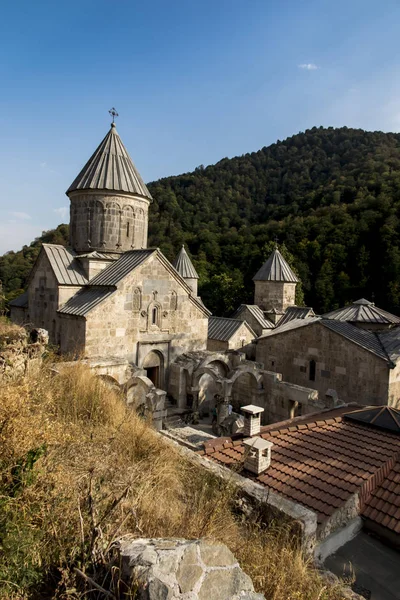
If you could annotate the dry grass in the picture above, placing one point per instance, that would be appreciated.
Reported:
(10, 332)
(77, 468)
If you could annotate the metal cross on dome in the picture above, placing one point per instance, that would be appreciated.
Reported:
(113, 113)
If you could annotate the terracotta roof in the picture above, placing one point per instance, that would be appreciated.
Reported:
(362, 311)
(110, 168)
(223, 328)
(184, 266)
(319, 464)
(383, 507)
(276, 269)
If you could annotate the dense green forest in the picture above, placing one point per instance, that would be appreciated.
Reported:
(331, 197)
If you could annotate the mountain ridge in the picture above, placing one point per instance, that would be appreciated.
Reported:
(331, 196)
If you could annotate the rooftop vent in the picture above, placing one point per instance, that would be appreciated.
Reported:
(257, 454)
(252, 420)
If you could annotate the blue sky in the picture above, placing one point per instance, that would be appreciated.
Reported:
(193, 81)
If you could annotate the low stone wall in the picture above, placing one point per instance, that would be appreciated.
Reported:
(180, 569)
(21, 352)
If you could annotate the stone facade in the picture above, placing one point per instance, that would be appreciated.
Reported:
(150, 312)
(107, 221)
(274, 294)
(319, 358)
(181, 569)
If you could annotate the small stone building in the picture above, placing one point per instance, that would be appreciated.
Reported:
(335, 358)
(228, 334)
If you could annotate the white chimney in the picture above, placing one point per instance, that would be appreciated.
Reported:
(252, 419)
(257, 454)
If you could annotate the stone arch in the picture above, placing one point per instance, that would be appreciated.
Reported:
(217, 359)
(128, 227)
(136, 391)
(206, 383)
(154, 316)
(153, 364)
(112, 222)
(96, 232)
(243, 387)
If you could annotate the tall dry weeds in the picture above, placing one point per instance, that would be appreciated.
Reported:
(78, 468)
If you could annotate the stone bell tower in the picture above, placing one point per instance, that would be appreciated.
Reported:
(275, 285)
(109, 201)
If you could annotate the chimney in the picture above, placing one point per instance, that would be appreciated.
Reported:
(257, 454)
(252, 424)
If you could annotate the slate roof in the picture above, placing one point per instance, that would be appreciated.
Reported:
(85, 300)
(383, 417)
(184, 266)
(390, 340)
(362, 311)
(276, 269)
(95, 255)
(117, 270)
(65, 265)
(296, 312)
(110, 168)
(320, 463)
(222, 328)
(366, 339)
(257, 314)
(20, 301)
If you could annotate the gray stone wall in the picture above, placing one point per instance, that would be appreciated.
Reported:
(245, 315)
(108, 222)
(274, 294)
(182, 569)
(356, 374)
(394, 387)
(240, 338)
(43, 298)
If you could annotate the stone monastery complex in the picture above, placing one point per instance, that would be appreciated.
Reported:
(320, 395)
(139, 321)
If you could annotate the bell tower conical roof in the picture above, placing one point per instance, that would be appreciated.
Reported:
(184, 266)
(110, 168)
(276, 269)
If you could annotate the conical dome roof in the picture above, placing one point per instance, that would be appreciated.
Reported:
(276, 269)
(110, 168)
(184, 266)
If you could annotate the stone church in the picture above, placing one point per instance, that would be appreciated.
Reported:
(107, 294)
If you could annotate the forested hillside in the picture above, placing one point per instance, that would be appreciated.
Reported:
(331, 196)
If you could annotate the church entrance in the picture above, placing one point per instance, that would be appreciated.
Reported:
(154, 366)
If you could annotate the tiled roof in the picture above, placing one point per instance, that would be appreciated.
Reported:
(295, 312)
(85, 300)
(319, 464)
(184, 266)
(117, 270)
(276, 269)
(257, 313)
(222, 328)
(366, 339)
(362, 311)
(20, 301)
(110, 168)
(383, 507)
(65, 266)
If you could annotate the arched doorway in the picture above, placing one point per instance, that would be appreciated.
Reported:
(154, 366)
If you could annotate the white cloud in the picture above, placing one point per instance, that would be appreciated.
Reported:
(20, 215)
(308, 66)
(62, 212)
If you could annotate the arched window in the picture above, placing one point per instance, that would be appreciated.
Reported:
(154, 316)
(311, 372)
(127, 229)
